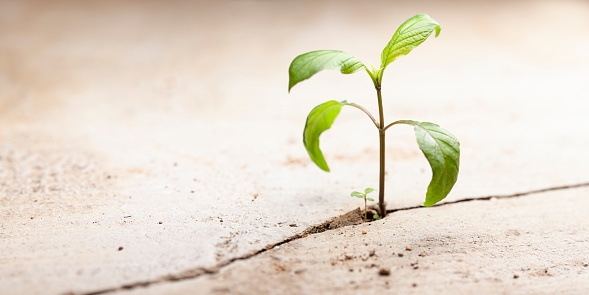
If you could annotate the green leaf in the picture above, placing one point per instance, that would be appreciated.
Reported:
(376, 217)
(357, 194)
(370, 199)
(442, 150)
(308, 64)
(368, 190)
(408, 36)
(319, 120)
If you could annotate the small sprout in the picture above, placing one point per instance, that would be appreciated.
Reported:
(363, 196)
(357, 194)
(440, 147)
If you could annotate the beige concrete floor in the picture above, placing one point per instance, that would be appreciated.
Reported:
(140, 140)
(524, 245)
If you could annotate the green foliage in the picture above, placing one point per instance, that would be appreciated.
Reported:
(319, 119)
(306, 65)
(368, 190)
(442, 150)
(408, 36)
(440, 147)
(363, 196)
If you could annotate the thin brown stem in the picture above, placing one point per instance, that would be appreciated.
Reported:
(381, 202)
(394, 123)
(400, 122)
(381, 137)
(365, 111)
(365, 214)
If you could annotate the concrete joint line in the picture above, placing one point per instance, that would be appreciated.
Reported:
(488, 198)
(198, 272)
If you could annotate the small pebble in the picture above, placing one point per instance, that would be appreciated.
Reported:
(400, 254)
(515, 276)
(120, 248)
(363, 232)
(384, 272)
(408, 248)
(160, 222)
(414, 285)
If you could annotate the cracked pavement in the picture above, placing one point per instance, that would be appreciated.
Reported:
(146, 142)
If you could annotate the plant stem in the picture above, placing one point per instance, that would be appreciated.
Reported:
(398, 122)
(381, 137)
(365, 204)
(365, 111)
(382, 207)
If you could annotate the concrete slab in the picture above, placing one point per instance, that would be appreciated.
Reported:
(510, 246)
(116, 116)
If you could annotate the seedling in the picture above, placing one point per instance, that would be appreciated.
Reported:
(440, 147)
(363, 196)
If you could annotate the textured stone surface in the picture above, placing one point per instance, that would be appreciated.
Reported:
(527, 245)
(165, 130)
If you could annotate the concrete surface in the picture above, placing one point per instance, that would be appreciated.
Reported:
(140, 140)
(528, 245)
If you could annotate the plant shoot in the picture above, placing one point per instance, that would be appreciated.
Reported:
(440, 147)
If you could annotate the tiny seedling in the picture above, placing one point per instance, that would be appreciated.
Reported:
(366, 199)
(440, 147)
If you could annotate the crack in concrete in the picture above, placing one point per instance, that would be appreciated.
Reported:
(488, 198)
(192, 273)
(198, 272)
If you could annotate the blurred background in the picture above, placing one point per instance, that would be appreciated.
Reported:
(207, 81)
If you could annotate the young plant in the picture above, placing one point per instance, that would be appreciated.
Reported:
(441, 148)
(363, 196)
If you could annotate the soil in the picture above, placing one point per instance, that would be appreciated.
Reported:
(354, 217)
